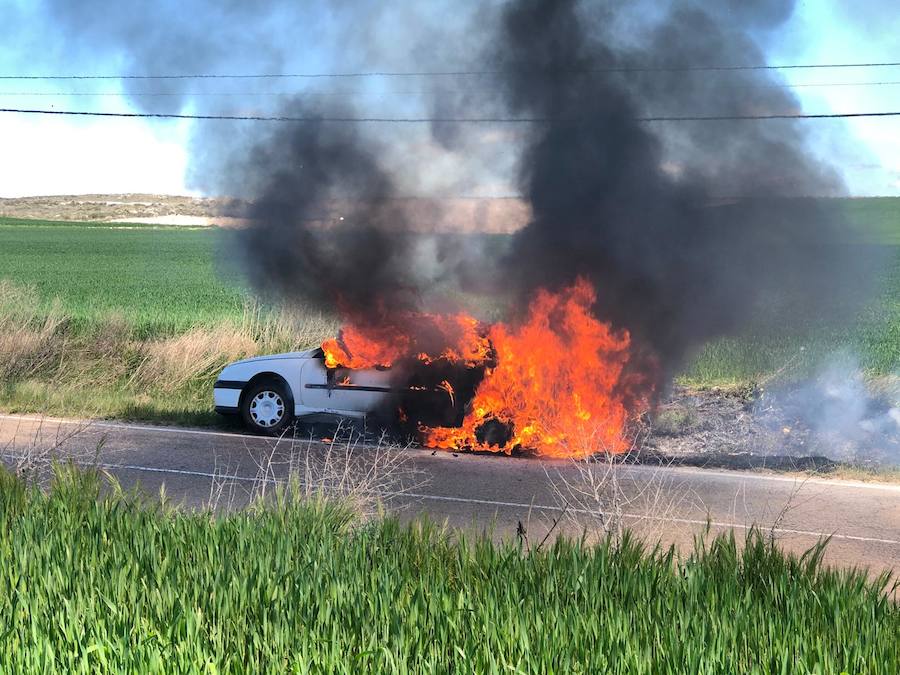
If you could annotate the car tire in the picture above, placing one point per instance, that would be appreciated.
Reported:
(267, 408)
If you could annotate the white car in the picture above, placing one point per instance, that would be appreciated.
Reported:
(270, 392)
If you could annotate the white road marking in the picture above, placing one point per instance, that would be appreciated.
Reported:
(130, 427)
(743, 475)
(516, 505)
(695, 471)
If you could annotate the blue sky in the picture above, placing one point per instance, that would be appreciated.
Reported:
(844, 31)
(47, 155)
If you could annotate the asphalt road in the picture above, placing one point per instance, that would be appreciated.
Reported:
(499, 494)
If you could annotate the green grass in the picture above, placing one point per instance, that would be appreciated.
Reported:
(186, 406)
(876, 219)
(95, 581)
(790, 346)
(160, 280)
(854, 472)
(794, 347)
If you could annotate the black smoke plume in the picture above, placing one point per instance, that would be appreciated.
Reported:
(689, 230)
(686, 228)
(327, 228)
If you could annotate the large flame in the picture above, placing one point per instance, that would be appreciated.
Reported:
(555, 384)
(428, 337)
(558, 386)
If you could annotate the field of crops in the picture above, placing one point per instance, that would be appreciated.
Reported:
(794, 348)
(175, 296)
(157, 279)
(168, 279)
(98, 582)
(126, 321)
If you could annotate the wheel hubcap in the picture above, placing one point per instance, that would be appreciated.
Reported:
(267, 409)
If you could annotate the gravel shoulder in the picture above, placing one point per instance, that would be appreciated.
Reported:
(786, 430)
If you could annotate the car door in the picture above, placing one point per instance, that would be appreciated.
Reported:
(362, 390)
(342, 390)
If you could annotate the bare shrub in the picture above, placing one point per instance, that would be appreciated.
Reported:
(602, 496)
(222, 486)
(33, 451)
(364, 476)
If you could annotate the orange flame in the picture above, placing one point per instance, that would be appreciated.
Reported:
(558, 385)
(555, 384)
(456, 337)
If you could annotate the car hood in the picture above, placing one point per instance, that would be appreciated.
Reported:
(308, 354)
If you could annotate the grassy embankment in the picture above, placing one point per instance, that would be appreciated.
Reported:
(126, 321)
(134, 321)
(97, 581)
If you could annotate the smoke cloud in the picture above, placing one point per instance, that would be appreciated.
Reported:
(328, 227)
(687, 229)
(638, 207)
(836, 414)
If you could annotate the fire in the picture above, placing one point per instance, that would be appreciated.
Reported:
(455, 337)
(557, 383)
(558, 386)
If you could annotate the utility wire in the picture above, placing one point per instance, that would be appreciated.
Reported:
(450, 73)
(385, 94)
(424, 120)
(826, 84)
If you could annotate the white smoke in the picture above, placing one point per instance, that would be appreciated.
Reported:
(846, 416)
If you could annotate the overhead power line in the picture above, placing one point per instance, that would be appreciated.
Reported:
(800, 85)
(382, 94)
(449, 120)
(450, 73)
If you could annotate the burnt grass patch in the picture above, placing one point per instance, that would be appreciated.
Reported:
(786, 429)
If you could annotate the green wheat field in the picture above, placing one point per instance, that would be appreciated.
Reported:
(302, 586)
(133, 321)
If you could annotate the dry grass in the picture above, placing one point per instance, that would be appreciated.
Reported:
(54, 365)
(287, 329)
(849, 472)
(600, 498)
(172, 363)
(27, 339)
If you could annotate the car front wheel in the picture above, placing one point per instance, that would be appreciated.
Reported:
(267, 408)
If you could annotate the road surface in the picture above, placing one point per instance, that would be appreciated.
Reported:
(500, 494)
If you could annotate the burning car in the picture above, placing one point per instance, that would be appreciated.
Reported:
(555, 383)
(399, 381)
